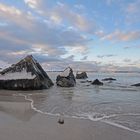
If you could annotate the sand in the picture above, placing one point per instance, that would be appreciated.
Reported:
(18, 121)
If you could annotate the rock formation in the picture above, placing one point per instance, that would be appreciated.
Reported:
(97, 82)
(66, 78)
(81, 75)
(25, 75)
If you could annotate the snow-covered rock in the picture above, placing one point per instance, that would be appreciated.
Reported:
(66, 78)
(25, 75)
(82, 75)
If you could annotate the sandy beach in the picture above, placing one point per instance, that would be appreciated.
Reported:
(18, 121)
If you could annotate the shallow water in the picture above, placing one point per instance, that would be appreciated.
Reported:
(115, 102)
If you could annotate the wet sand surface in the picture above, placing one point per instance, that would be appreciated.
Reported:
(45, 127)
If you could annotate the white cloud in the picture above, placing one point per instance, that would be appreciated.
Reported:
(122, 36)
(33, 3)
(132, 12)
(14, 15)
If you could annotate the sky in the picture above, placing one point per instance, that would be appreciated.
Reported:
(98, 35)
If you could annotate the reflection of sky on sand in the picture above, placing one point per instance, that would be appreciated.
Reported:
(17, 107)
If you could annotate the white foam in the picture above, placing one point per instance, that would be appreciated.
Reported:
(120, 126)
(84, 116)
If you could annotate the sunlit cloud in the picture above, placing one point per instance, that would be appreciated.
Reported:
(132, 12)
(14, 15)
(122, 36)
(62, 33)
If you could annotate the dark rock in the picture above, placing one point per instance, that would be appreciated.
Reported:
(66, 79)
(109, 79)
(82, 75)
(89, 81)
(61, 120)
(25, 75)
(87, 85)
(136, 85)
(97, 82)
(83, 81)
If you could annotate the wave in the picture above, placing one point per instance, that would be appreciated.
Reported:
(93, 117)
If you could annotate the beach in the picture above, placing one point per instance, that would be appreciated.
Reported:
(20, 121)
(45, 127)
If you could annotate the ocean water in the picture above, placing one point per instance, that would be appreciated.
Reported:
(116, 102)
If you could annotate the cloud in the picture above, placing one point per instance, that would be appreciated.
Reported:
(57, 34)
(79, 6)
(84, 58)
(74, 19)
(107, 56)
(122, 36)
(14, 15)
(33, 3)
(127, 60)
(62, 13)
(3, 64)
(132, 12)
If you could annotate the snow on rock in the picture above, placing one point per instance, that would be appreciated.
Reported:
(27, 74)
(66, 78)
(65, 72)
(17, 75)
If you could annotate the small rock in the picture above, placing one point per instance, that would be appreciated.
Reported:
(109, 79)
(61, 120)
(97, 82)
(82, 75)
(66, 78)
(136, 85)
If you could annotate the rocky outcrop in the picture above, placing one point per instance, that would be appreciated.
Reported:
(109, 79)
(25, 75)
(136, 85)
(97, 82)
(66, 78)
(82, 75)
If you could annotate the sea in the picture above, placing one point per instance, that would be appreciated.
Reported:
(116, 102)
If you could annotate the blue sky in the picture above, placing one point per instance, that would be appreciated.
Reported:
(84, 34)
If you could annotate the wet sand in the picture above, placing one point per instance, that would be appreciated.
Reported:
(18, 121)
(43, 127)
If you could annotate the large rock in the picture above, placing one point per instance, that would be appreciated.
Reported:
(97, 82)
(136, 85)
(25, 75)
(82, 75)
(66, 78)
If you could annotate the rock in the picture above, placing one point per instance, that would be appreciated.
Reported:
(136, 85)
(89, 81)
(66, 78)
(25, 75)
(82, 75)
(83, 81)
(97, 82)
(61, 120)
(109, 79)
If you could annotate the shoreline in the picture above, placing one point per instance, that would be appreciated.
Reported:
(81, 118)
(46, 127)
(24, 121)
